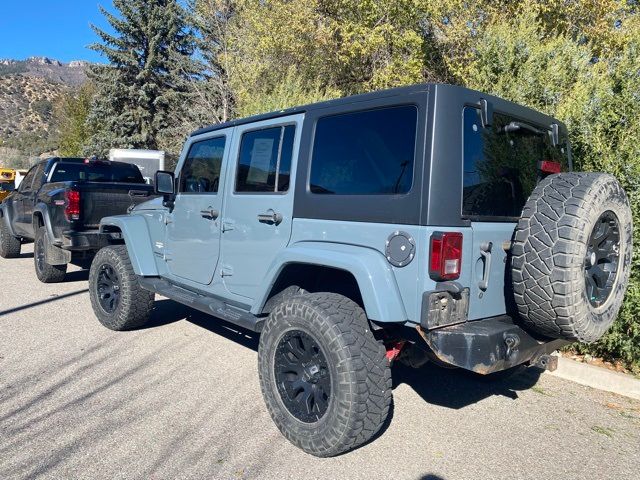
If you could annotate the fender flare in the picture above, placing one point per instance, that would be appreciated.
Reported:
(42, 209)
(5, 217)
(375, 278)
(137, 240)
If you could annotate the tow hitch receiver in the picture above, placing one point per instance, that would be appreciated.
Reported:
(490, 345)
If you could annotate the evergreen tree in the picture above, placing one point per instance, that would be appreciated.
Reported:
(71, 114)
(141, 94)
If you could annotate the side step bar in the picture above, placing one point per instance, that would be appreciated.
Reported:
(203, 303)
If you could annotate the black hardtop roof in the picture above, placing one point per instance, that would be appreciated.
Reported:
(363, 97)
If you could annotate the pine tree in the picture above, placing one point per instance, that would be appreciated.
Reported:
(212, 20)
(141, 94)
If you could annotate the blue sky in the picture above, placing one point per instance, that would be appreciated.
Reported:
(51, 28)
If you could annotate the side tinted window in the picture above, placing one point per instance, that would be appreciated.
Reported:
(501, 163)
(264, 164)
(38, 178)
(25, 185)
(201, 170)
(365, 153)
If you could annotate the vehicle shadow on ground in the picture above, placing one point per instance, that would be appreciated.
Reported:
(451, 388)
(52, 298)
(457, 388)
(76, 276)
(168, 311)
(26, 255)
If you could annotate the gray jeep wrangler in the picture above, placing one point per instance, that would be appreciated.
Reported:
(423, 223)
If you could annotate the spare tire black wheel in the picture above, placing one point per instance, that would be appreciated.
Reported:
(572, 255)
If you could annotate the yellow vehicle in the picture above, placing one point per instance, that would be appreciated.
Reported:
(7, 182)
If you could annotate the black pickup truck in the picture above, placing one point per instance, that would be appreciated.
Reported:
(59, 205)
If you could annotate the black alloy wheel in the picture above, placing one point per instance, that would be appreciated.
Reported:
(302, 376)
(108, 288)
(602, 259)
(39, 252)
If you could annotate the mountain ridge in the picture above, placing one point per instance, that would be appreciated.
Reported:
(29, 90)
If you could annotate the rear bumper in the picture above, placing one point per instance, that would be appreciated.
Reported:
(487, 346)
(82, 241)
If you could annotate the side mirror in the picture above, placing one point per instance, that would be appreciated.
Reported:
(165, 185)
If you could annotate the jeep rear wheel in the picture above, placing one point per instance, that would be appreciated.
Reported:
(325, 379)
(9, 245)
(117, 298)
(45, 272)
(572, 255)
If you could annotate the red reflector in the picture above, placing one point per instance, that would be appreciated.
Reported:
(72, 208)
(548, 166)
(445, 257)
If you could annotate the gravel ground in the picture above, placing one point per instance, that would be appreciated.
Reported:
(180, 399)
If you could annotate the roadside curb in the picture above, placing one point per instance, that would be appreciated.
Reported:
(597, 377)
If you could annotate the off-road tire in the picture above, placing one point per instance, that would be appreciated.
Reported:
(134, 305)
(549, 250)
(360, 375)
(9, 245)
(46, 273)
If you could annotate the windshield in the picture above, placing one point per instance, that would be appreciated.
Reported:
(501, 163)
(96, 172)
(7, 186)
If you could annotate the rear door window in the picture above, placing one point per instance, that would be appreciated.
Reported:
(501, 164)
(365, 153)
(265, 160)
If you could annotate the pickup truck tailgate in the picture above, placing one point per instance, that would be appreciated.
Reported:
(103, 200)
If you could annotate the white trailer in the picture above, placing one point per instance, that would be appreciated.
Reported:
(148, 161)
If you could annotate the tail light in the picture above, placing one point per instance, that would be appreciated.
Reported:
(445, 258)
(547, 166)
(72, 204)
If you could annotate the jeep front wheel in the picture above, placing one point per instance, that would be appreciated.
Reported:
(117, 298)
(324, 377)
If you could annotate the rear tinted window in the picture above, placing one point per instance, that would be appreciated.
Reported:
(265, 160)
(501, 164)
(365, 153)
(96, 172)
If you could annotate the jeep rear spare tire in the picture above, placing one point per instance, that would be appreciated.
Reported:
(324, 377)
(572, 255)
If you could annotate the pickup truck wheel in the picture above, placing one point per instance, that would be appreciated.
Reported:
(572, 255)
(117, 298)
(324, 377)
(46, 273)
(9, 245)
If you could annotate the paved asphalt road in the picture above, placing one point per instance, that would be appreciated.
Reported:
(180, 399)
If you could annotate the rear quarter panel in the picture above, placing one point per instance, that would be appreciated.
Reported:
(412, 280)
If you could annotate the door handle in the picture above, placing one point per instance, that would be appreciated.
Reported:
(270, 217)
(485, 251)
(210, 214)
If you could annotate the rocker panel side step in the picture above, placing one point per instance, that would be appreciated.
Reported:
(204, 303)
